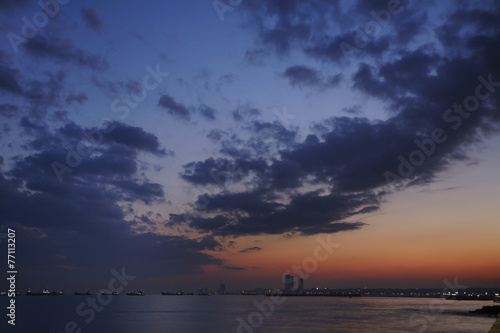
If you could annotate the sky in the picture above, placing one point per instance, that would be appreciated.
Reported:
(195, 143)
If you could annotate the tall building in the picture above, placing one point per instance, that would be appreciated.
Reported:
(300, 284)
(289, 282)
(222, 289)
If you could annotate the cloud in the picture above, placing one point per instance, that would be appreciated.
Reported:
(174, 108)
(250, 249)
(92, 19)
(334, 31)
(219, 171)
(207, 112)
(9, 80)
(299, 75)
(135, 137)
(45, 94)
(216, 135)
(245, 112)
(224, 80)
(354, 110)
(9, 110)
(96, 216)
(64, 50)
(12, 4)
(256, 57)
(79, 98)
(288, 28)
(327, 181)
(254, 213)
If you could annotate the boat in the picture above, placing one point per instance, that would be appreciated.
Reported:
(496, 299)
(88, 293)
(44, 292)
(109, 293)
(136, 293)
(166, 293)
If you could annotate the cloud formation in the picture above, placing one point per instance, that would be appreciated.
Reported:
(304, 76)
(92, 19)
(174, 108)
(339, 171)
(63, 50)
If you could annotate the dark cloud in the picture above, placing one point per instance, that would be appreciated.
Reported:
(304, 76)
(293, 22)
(224, 80)
(43, 95)
(245, 112)
(9, 110)
(335, 31)
(354, 110)
(89, 214)
(144, 256)
(174, 108)
(207, 112)
(135, 137)
(9, 80)
(134, 191)
(256, 213)
(349, 158)
(216, 135)
(256, 57)
(219, 171)
(274, 130)
(12, 4)
(63, 50)
(341, 48)
(250, 249)
(92, 19)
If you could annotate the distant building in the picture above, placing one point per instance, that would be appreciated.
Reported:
(300, 284)
(289, 282)
(222, 289)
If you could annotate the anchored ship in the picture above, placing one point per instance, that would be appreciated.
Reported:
(166, 293)
(44, 292)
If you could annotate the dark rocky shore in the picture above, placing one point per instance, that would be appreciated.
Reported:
(493, 310)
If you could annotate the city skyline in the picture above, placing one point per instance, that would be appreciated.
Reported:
(194, 144)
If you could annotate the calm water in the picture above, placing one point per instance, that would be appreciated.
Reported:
(183, 314)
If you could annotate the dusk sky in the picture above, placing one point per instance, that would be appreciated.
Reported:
(205, 142)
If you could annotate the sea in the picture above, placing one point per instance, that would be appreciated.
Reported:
(241, 313)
